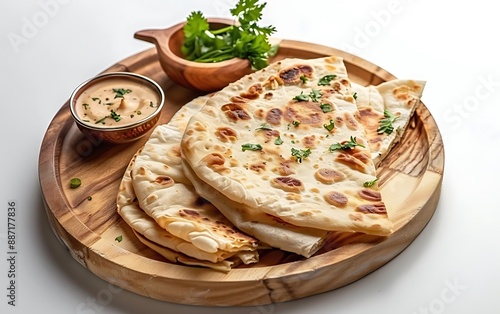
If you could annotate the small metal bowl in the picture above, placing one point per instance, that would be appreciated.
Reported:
(123, 133)
(207, 77)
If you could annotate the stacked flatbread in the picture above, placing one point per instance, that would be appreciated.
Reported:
(285, 156)
(159, 204)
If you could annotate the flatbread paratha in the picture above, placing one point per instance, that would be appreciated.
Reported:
(165, 194)
(208, 221)
(288, 141)
(385, 111)
(160, 159)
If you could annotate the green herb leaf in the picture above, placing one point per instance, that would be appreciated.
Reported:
(345, 145)
(368, 184)
(119, 238)
(101, 120)
(278, 141)
(315, 95)
(386, 124)
(120, 92)
(301, 97)
(329, 126)
(264, 126)
(326, 107)
(300, 154)
(249, 146)
(325, 80)
(295, 123)
(115, 116)
(246, 41)
(75, 182)
(355, 95)
(303, 78)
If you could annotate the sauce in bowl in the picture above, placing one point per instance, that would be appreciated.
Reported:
(117, 106)
(116, 102)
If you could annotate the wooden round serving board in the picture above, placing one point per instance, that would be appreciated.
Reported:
(86, 222)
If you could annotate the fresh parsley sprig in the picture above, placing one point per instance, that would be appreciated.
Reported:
(386, 124)
(368, 184)
(120, 92)
(345, 145)
(300, 154)
(247, 40)
(250, 146)
(325, 80)
(314, 96)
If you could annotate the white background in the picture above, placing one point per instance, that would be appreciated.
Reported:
(48, 47)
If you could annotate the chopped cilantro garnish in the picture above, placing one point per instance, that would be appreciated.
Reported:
(74, 183)
(326, 107)
(300, 154)
(386, 124)
(264, 126)
(325, 80)
(346, 145)
(120, 92)
(368, 184)
(249, 146)
(115, 116)
(329, 126)
(278, 141)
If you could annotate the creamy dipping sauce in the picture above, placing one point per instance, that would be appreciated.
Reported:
(116, 102)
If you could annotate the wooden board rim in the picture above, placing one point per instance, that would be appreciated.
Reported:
(48, 173)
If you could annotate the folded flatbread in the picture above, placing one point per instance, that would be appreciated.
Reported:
(160, 160)
(167, 214)
(269, 229)
(288, 141)
(390, 104)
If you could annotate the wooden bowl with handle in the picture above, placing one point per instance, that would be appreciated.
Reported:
(207, 77)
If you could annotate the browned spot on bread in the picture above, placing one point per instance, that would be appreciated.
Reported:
(350, 121)
(176, 151)
(285, 168)
(306, 112)
(339, 121)
(377, 208)
(220, 226)
(370, 195)
(336, 198)
(402, 92)
(269, 134)
(356, 217)
(238, 100)
(226, 134)
(273, 116)
(289, 184)
(309, 141)
(215, 161)
(354, 159)
(166, 181)
(292, 75)
(252, 92)
(235, 112)
(258, 167)
(329, 175)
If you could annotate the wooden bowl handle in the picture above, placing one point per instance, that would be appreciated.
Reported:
(152, 35)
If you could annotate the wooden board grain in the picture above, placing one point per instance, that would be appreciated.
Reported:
(86, 222)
